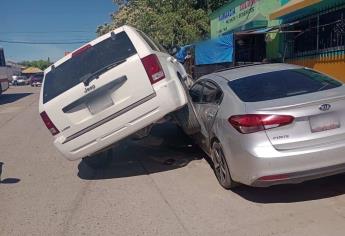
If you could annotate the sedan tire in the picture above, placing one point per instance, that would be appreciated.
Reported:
(220, 167)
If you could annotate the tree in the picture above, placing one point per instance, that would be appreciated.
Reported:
(42, 64)
(210, 5)
(169, 22)
(207, 5)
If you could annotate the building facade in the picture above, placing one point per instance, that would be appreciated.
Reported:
(304, 32)
(319, 41)
(243, 17)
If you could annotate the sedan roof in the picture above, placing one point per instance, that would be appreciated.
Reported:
(241, 72)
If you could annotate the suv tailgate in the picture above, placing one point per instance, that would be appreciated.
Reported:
(98, 81)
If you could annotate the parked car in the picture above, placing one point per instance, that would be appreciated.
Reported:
(108, 89)
(13, 80)
(18, 80)
(271, 124)
(36, 80)
(4, 84)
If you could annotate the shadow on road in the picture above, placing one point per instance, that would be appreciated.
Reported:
(8, 180)
(312, 190)
(9, 98)
(167, 148)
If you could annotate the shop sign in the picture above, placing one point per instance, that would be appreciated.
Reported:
(240, 14)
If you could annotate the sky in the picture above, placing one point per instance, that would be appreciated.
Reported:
(49, 21)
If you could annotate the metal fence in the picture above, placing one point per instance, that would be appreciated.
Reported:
(320, 33)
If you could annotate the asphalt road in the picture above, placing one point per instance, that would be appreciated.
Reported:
(157, 186)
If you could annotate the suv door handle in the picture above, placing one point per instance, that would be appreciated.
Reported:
(172, 59)
(210, 115)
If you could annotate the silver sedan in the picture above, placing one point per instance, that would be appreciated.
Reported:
(271, 124)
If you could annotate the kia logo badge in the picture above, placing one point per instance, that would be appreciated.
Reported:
(325, 107)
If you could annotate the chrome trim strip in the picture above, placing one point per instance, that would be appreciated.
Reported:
(302, 176)
(312, 103)
(109, 118)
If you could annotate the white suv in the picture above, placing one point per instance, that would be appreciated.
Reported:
(107, 90)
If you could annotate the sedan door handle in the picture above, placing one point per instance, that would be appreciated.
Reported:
(210, 115)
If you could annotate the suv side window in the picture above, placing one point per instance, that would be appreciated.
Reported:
(211, 93)
(196, 91)
(152, 45)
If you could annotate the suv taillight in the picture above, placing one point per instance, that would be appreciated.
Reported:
(50, 125)
(153, 68)
(252, 123)
(81, 50)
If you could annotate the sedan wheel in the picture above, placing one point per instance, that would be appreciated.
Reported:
(221, 168)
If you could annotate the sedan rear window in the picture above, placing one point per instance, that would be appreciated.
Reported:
(281, 84)
(72, 72)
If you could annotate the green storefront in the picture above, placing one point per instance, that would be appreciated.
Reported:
(320, 43)
(248, 19)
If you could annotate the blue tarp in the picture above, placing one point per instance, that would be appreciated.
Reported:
(182, 53)
(214, 51)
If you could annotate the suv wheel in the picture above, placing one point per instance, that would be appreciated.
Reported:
(143, 133)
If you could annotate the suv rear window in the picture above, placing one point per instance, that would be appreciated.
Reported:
(71, 72)
(281, 84)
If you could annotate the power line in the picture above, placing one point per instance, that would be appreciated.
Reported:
(37, 43)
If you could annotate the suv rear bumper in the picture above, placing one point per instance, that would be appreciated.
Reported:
(169, 97)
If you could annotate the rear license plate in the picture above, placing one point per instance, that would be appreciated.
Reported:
(324, 122)
(99, 103)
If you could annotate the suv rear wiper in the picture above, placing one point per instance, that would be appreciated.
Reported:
(101, 71)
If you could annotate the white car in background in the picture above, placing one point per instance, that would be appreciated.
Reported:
(107, 90)
(18, 80)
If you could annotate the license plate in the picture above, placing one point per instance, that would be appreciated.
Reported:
(99, 103)
(324, 122)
